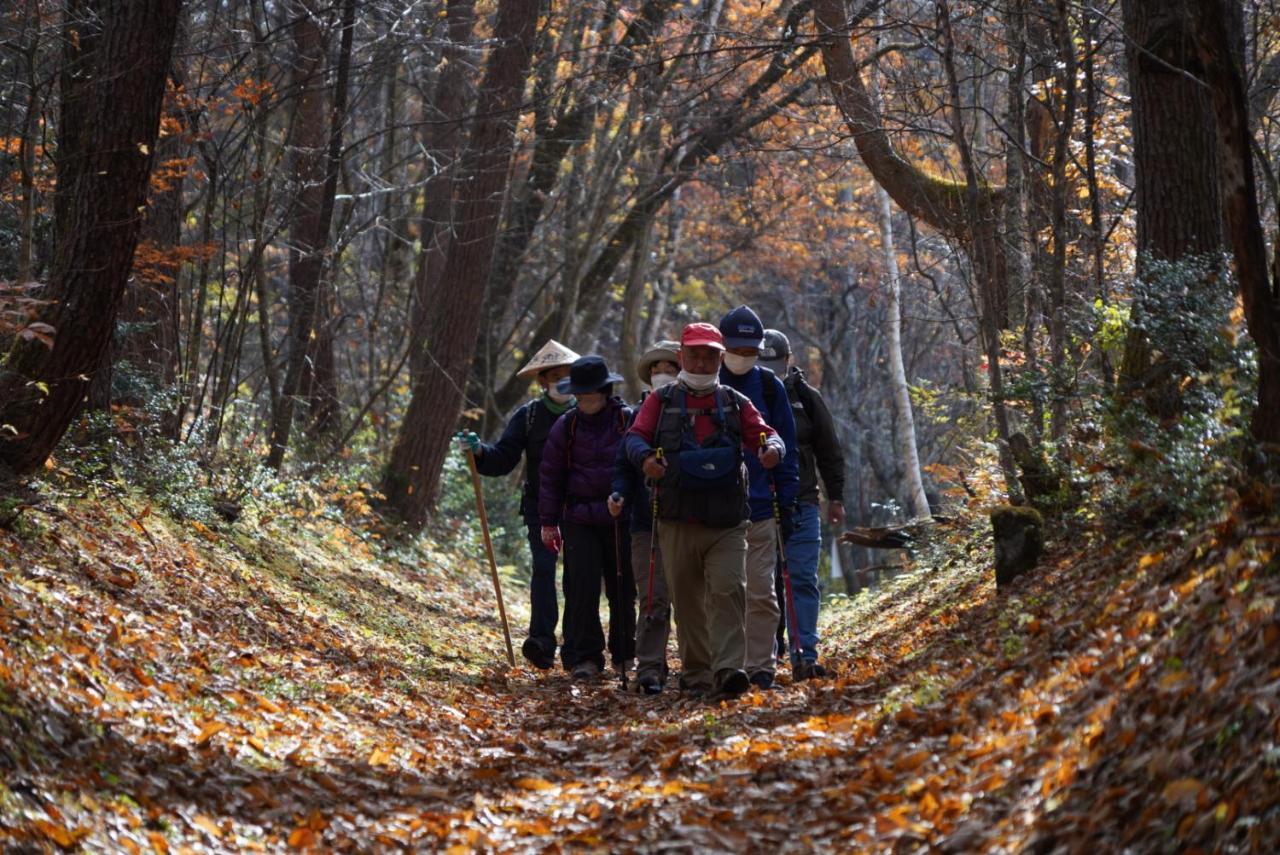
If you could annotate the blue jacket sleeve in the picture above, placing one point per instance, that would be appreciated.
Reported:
(553, 475)
(786, 473)
(503, 457)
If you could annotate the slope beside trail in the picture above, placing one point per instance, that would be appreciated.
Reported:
(295, 684)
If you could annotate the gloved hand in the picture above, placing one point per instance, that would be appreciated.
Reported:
(787, 522)
(551, 538)
(469, 440)
(616, 501)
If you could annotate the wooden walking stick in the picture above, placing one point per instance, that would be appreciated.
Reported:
(488, 546)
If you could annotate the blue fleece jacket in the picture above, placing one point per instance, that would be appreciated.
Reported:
(779, 417)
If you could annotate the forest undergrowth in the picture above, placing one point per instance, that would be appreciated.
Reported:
(302, 680)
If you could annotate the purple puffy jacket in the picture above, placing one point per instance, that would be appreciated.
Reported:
(575, 482)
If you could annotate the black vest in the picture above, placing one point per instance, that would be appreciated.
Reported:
(538, 422)
(723, 507)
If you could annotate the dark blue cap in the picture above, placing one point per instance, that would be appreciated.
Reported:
(741, 327)
(587, 374)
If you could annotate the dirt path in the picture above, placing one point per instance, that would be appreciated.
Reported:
(164, 687)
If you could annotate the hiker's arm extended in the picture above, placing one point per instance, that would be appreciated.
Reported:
(753, 424)
(638, 443)
(503, 456)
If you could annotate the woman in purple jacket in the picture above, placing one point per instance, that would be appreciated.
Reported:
(576, 472)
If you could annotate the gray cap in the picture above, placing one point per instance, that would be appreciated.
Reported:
(774, 352)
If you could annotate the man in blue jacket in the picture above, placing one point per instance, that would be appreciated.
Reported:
(743, 335)
(524, 437)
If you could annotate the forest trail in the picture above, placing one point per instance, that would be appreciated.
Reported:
(165, 686)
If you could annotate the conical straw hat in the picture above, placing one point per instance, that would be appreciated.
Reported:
(551, 355)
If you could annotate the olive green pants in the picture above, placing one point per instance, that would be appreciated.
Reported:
(706, 577)
(762, 598)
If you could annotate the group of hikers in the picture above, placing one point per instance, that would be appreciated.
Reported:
(702, 499)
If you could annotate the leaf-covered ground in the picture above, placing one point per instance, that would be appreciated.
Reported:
(296, 684)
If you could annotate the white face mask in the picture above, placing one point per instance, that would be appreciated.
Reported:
(698, 382)
(739, 364)
(559, 397)
(657, 381)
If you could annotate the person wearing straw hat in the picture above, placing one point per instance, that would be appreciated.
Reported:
(576, 474)
(657, 368)
(690, 438)
(524, 437)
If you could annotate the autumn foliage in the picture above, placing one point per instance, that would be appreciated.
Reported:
(169, 685)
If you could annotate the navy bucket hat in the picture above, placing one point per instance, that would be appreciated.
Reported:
(587, 374)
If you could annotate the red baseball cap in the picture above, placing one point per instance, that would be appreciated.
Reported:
(702, 335)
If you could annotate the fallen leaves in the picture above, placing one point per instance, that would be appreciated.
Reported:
(1119, 697)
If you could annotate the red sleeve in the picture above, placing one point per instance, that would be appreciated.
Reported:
(646, 422)
(753, 425)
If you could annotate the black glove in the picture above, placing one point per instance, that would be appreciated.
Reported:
(787, 523)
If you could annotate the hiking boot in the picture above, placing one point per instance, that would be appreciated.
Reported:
(730, 683)
(649, 684)
(585, 670)
(808, 670)
(693, 690)
(762, 680)
(533, 651)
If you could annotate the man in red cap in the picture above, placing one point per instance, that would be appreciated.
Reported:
(689, 438)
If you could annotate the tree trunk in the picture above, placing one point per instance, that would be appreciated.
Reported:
(444, 138)
(315, 173)
(413, 473)
(117, 54)
(926, 197)
(912, 486)
(630, 347)
(1240, 207)
(149, 314)
(1179, 203)
(1059, 380)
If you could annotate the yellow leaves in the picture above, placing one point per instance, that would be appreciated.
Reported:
(381, 757)
(207, 825)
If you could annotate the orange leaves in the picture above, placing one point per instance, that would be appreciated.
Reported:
(534, 784)
(210, 730)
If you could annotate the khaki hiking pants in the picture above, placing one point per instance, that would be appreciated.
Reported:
(652, 630)
(762, 600)
(706, 575)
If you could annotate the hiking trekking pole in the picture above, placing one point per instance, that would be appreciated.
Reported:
(618, 595)
(493, 563)
(793, 629)
(653, 544)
